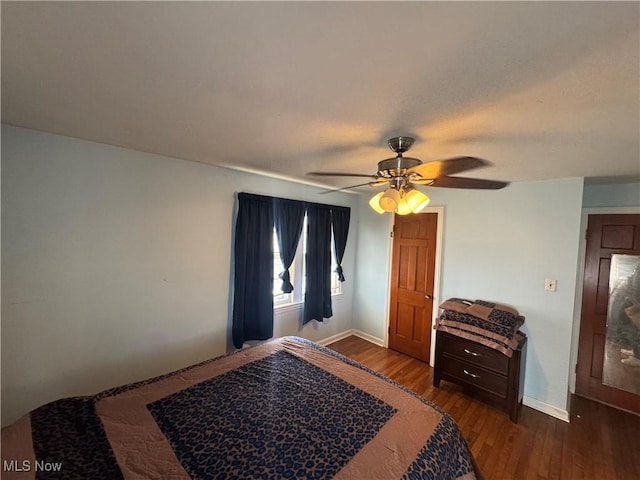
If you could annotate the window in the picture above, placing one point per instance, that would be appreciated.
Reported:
(297, 271)
(253, 308)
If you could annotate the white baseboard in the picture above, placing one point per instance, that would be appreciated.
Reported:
(348, 333)
(368, 338)
(546, 408)
(336, 337)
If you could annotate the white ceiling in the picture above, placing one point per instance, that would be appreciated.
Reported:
(540, 89)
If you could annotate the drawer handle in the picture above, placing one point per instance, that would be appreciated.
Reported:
(469, 352)
(472, 375)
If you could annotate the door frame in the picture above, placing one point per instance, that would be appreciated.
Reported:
(582, 252)
(439, 211)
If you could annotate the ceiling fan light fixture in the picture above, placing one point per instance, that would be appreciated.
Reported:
(389, 200)
(402, 203)
(412, 201)
(403, 207)
(375, 203)
(416, 200)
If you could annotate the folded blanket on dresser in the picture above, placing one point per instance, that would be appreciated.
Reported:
(488, 323)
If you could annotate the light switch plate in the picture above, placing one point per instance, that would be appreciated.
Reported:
(550, 285)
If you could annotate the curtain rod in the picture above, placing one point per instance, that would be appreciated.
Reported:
(267, 198)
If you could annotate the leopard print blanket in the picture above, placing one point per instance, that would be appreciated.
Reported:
(288, 408)
(491, 324)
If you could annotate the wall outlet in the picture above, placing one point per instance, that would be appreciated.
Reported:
(550, 285)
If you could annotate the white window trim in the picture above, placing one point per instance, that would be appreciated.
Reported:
(289, 307)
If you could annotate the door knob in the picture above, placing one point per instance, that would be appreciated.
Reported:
(428, 297)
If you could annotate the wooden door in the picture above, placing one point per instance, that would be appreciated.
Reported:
(412, 276)
(606, 235)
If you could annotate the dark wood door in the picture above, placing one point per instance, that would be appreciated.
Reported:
(606, 235)
(412, 276)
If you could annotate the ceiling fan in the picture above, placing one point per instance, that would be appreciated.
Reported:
(400, 174)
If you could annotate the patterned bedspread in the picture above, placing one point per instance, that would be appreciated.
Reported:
(288, 408)
(488, 323)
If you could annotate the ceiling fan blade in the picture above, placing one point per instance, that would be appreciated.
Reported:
(341, 174)
(451, 166)
(371, 184)
(462, 182)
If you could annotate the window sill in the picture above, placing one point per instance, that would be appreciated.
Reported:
(289, 307)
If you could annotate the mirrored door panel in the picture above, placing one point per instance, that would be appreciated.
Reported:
(621, 367)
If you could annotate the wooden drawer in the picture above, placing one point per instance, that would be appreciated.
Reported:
(473, 375)
(475, 353)
(488, 373)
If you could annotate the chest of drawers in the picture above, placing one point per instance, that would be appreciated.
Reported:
(483, 371)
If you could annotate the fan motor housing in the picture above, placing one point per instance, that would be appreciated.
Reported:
(397, 166)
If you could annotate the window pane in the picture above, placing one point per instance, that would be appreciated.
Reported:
(277, 268)
(279, 297)
(336, 284)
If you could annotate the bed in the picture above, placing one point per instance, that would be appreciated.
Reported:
(288, 408)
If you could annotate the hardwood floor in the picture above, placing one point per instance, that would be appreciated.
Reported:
(600, 442)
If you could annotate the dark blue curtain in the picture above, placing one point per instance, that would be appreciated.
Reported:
(253, 295)
(289, 218)
(317, 298)
(340, 223)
